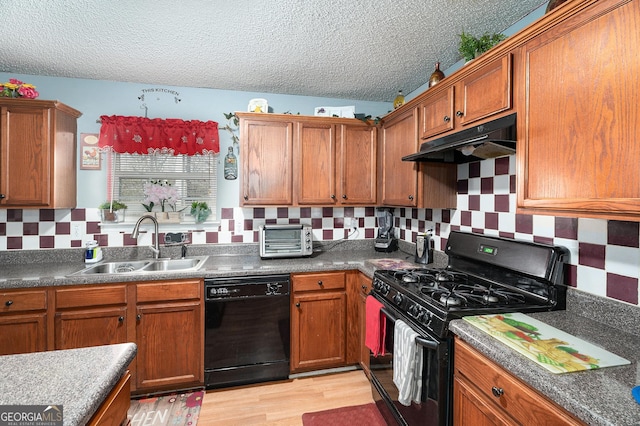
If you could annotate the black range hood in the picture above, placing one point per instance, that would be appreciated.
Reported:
(493, 139)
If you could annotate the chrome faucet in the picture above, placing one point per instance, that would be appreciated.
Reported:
(156, 236)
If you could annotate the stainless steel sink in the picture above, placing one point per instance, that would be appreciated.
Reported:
(191, 263)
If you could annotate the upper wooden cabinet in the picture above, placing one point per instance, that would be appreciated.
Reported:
(37, 154)
(295, 160)
(579, 140)
(266, 155)
(481, 94)
(400, 184)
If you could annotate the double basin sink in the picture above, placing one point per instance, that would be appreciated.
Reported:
(185, 264)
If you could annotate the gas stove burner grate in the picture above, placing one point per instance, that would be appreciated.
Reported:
(471, 296)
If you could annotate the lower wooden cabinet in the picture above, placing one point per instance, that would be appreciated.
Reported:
(485, 394)
(113, 411)
(318, 321)
(23, 321)
(90, 316)
(169, 334)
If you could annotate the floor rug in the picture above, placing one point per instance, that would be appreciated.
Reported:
(366, 414)
(170, 410)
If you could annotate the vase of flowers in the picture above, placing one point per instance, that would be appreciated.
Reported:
(17, 89)
(159, 192)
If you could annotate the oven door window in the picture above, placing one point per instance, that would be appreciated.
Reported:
(433, 408)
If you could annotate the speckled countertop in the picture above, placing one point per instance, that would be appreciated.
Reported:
(597, 397)
(79, 379)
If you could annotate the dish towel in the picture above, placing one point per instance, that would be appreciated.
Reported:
(376, 326)
(407, 364)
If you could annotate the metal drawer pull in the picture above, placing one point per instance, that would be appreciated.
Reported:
(497, 392)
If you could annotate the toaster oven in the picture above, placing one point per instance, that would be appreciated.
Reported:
(285, 240)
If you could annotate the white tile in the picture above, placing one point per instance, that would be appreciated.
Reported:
(14, 229)
(64, 241)
(623, 261)
(487, 204)
(30, 242)
(3, 243)
(507, 222)
(512, 164)
(474, 186)
(544, 226)
(462, 203)
(47, 228)
(592, 280)
(62, 215)
(572, 246)
(477, 218)
(501, 184)
(463, 171)
(487, 168)
(592, 231)
(31, 215)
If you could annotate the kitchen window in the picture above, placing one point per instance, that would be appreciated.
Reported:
(194, 176)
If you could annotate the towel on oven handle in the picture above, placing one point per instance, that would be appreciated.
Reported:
(376, 326)
(407, 364)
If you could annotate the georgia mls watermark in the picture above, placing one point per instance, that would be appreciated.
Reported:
(31, 415)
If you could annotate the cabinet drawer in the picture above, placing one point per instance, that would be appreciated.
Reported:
(166, 291)
(91, 296)
(516, 398)
(19, 301)
(314, 282)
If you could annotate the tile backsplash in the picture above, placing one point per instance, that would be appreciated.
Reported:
(605, 255)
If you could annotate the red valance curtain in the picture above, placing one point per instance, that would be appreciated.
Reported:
(140, 135)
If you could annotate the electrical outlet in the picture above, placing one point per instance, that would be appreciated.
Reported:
(76, 231)
(238, 226)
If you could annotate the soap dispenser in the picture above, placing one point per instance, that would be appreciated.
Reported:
(92, 252)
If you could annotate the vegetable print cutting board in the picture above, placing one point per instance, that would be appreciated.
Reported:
(553, 349)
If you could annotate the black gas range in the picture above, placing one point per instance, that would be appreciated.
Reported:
(484, 275)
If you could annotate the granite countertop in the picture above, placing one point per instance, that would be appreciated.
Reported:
(222, 262)
(597, 397)
(79, 379)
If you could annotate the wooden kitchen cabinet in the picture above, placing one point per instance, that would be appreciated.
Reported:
(400, 185)
(266, 146)
(318, 321)
(485, 394)
(23, 321)
(578, 146)
(357, 176)
(90, 316)
(315, 162)
(169, 333)
(485, 92)
(37, 154)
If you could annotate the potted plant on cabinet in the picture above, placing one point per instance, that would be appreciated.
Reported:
(471, 47)
(112, 211)
(200, 211)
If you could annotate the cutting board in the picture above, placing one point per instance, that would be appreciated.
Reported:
(553, 349)
(392, 264)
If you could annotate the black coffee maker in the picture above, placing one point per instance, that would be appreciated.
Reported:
(385, 241)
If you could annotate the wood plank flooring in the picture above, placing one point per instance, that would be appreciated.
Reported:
(283, 403)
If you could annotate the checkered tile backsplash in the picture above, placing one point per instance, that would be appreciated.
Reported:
(605, 255)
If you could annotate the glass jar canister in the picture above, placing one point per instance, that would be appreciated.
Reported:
(230, 165)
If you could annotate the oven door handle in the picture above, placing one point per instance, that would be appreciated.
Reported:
(427, 343)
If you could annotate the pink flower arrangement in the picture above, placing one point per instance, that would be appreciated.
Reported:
(159, 192)
(17, 89)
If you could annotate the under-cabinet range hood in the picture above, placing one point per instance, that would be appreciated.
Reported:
(493, 139)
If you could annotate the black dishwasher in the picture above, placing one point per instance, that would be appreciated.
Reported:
(246, 330)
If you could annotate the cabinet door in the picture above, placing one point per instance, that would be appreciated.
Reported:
(23, 333)
(316, 145)
(485, 92)
(436, 113)
(318, 321)
(25, 144)
(90, 327)
(266, 157)
(471, 409)
(400, 178)
(357, 165)
(578, 144)
(170, 351)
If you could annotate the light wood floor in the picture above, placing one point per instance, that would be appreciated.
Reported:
(283, 403)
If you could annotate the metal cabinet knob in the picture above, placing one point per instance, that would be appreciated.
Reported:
(364, 287)
(411, 197)
(120, 319)
(459, 113)
(319, 282)
(333, 196)
(497, 392)
(2, 196)
(8, 303)
(139, 317)
(246, 197)
(447, 119)
(297, 304)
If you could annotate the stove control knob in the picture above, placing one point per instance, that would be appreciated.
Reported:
(414, 310)
(426, 318)
(398, 298)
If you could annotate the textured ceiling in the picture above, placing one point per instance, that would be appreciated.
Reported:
(352, 49)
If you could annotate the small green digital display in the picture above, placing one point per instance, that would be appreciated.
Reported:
(488, 250)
